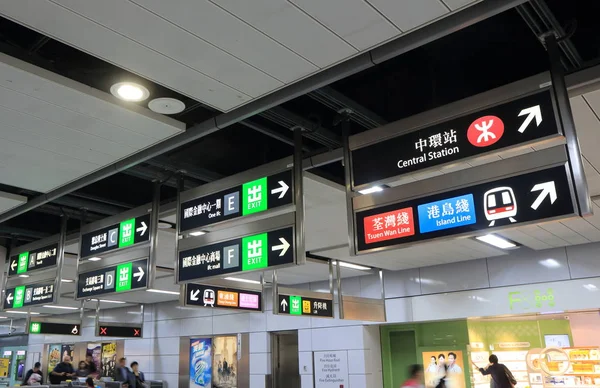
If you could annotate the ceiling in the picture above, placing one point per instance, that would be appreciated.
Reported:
(225, 53)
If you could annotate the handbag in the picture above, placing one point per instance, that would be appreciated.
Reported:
(509, 376)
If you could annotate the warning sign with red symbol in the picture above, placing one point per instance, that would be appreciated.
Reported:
(390, 225)
(119, 331)
(485, 131)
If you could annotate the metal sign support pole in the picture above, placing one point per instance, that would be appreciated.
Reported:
(142, 308)
(81, 224)
(331, 278)
(339, 289)
(299, 197)
(180, 188)
(275, 291)
(97, 320)
(263, 293)
(348, 181)
(62, 241)
(559, 88)
(81, 311)
(154, 235)
(382, 283)
(11, 249)
(28, 321)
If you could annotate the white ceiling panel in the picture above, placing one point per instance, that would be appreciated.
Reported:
(208, 21)
(593, 177)
(587, 124)
(9, 201)
(565, 233)
(366, 29)
(409, 14)
(456, 4)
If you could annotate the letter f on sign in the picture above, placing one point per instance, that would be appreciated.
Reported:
(513, 299)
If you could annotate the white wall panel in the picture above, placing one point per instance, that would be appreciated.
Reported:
(460, 276)
(305, 362)
(584, 261)
(260, 363)
(164, 346)
(338, 338)
(194, 326)
(138, 347)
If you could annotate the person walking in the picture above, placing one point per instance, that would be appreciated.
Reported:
(416, 377)
(36, 369)
(501, 375)
(123, 374)
(138, 376)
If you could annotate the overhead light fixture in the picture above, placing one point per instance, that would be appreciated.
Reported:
(166, 105)
(164, 225)
(496, 241)
(21, 312)
(129, 91)
(3, 317)
(94, 259)
(370, 190)
(163, 291)
(243, 280)
(550, 263)
(23, 276)
(67, 280)
(50, 306)
(590, 287)
(353, 266)
(198, 233)
(112, 301)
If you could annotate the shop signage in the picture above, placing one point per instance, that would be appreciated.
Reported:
(514, 345)
(331, 369)
(117, 278)
(523, 198)
(38, 259)
(519, 300)
(497, 128)
(54, 328)
(229, 298)
(122, 235)
(301, 305)
(249, 198)
(119, 331)
(242, 254)
(29, 295)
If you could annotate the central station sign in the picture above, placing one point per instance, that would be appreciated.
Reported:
(534, 196)
(112, 330)
(123, 277)
(54, 328)
(29, 295)
(523, 121)
(122, 235)
(229, 298)
(38, 259)
(248, 198)
(248, 253)
(301, 305)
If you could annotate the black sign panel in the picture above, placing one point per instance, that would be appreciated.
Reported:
(500, 127)
(119, 331)
(244, 254)
(229, 298)
(122, 235)
(523, 198)
(42, 258)
(115, 279)
(29, 295)
(249, 198)
(301, 305)
(54, 328)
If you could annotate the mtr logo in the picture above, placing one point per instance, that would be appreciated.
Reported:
(535, 300)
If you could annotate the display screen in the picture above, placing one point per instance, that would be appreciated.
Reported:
(557, 340)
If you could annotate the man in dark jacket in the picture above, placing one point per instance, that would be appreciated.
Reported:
(123, 374)
(501, 376)
(62, 371)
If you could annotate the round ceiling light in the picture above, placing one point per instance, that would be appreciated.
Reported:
(166, 106)
(129, 91)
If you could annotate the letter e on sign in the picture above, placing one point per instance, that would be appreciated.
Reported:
(485, 131)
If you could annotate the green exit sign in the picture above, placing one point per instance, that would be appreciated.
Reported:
(22, 264)
(35, 327)
(254, 196)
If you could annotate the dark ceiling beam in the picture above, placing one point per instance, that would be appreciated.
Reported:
(92, 206)
(20, 232)
(271, 133)
(189, 169)
(336, 101)
(448, 25)
(150, 175)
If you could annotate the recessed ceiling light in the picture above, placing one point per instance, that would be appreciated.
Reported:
(590, 287)
(67, 280)
(21, 312)
(370, 190)
(164, 225)
(198, 233)
(166, 106)
(496, 241)
(23, 276)
(243, 280)
(112, 301)
(163, 291)
(129, 91)
(95, 259)
(50, 306)
(353, 266)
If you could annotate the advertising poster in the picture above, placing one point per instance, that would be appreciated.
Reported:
(224, 367)
(4, 363)
(66, 350)
(440, 363)
(95, 350)
(200, 362)
(109, 358)
(54, 355)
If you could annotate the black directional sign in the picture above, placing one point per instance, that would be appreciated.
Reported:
(29, 295)
(503, 126)
(122, 235)
(38, 259)
(249, 198)
(243, 254)
(523, 198)
(301, 305)
(114, 330)
(230, 298)
(123, 277)
(54, 328)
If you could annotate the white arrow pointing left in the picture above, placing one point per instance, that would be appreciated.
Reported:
(142, 228)
(9, 298)
(283, 247)
(13, 265)
(546, 189)
(139, 274)
(531, 112)
(194, 295)
(281, 190)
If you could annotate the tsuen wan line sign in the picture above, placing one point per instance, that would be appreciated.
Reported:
(301, 305)
(229, 298)
(29, 295)
(113, 330)
(122, 235)
(539, 195)
(249, 198)
(525, 120)
(54, 328)
(132, 275)
(37, 259)
(242, 254)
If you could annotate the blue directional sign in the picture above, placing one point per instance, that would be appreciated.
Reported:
(447, 213)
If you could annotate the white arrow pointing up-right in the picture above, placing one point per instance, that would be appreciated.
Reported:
(284, 304)
(531, 112)
(9, 298)
(13, 265)
(283, 247)
(194, 295)
(547, 189)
